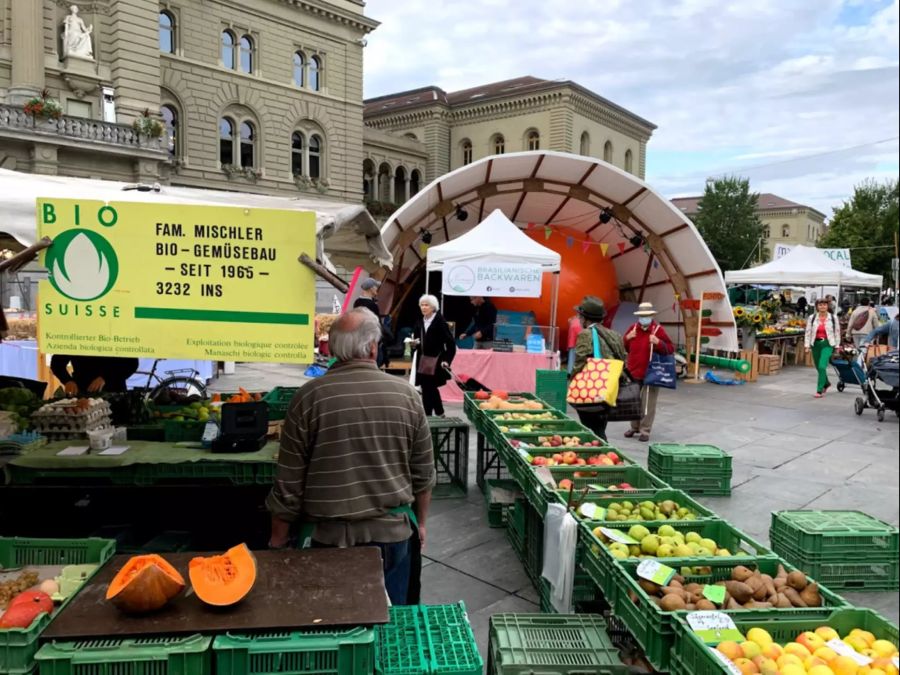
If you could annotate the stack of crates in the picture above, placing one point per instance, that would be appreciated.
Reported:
(844, 550)
(703, 470)
(552, 386)
(543, 643)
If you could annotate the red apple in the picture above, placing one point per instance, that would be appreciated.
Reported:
(580, 462)
(558, 458)
(593, 460)
(539, 461)
(596, 444)
(569, 457)
(626, 486)
(565, 484)
(614, 457)
(606, 461)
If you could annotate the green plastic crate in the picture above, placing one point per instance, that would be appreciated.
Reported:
(704, 486)
(400, 644)
(186, 431)
(524, 644)
(862, 573)
(314, 652)
(143, 656)
(497, 508)
(552, 386)
(450, 439)
(694, 657)
(19, 645)
(836, 534)
(654, 630)
(279, 400)
(666, 494)
(687, 459)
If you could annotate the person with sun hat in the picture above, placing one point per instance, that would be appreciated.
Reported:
(644, 337)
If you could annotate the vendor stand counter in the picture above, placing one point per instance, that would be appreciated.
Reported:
(781, 343)
(294, 589)
(144, 463)
(507, 371)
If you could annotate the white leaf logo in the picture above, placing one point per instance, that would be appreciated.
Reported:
(84, 271)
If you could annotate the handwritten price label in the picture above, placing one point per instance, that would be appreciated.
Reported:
(714, 594)
(618, 536)
(726, 662)
(843, 649)
(714, 627)
(592, 512)
(656, 572)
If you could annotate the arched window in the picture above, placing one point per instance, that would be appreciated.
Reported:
(297, 153)
(226, 141)
(533, 140)
(608, 152)
(466, 152)
(170, 121)
(499, 144)
(299, 69)
(785, 230)
(315, 156)
(629, 161)
(315, 73)
(400, 195)
(166, 33)
(228, 49)
(766, 233)
(415, 182)
(384, 182)
(585, 143)
(411, 136)
(246, 54)
(369, 179)
(248, 144)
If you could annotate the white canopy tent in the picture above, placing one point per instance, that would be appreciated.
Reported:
(657, 252)
(804, 266)
(347, 234)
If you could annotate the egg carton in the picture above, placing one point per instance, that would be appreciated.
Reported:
(62, 434)
(56, 415)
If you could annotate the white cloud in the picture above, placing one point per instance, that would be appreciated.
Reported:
(728, 84)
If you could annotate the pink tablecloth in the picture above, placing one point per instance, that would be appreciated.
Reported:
(509, 371)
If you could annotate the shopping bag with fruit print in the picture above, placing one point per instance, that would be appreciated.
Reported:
(598, 382)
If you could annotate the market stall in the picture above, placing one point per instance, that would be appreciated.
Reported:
(804, 266)
(496, 259)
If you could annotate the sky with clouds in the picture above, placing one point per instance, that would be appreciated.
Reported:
(800, 96)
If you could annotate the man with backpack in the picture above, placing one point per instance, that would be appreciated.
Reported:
(863, 321)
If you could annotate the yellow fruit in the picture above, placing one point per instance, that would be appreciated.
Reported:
(731, 649)
(789, 660)
(761, 637)
(751, 650)
(864, 634)
(827, 633)
(884, 648)
(793, 669)
(819, 670)
(843, 665)
(812, 662)
(797, 650)
(827, 654)
(858, 642)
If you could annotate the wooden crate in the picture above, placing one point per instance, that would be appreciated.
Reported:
(753, 357)
(769, 364)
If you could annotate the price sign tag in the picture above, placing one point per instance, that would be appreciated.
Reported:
(726, 662)
(545, 476)
(714, 627)
(654, 571)
(714, 594)
(524, 455)
(843, 649)
(618, 537)
(592, 512)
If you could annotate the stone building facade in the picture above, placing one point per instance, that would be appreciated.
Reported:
(255, 95)
(784, 221)
(451, 130)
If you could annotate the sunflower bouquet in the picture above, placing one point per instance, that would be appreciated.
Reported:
(743, 316)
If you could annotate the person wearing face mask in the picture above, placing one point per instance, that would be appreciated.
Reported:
(640, 339)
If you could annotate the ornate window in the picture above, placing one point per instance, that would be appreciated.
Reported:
(785, 230)
(297, 147)
(248, 145)
(608, 152)
(400, 195)
(299, 69)
(170, 120)
(226, 141)
(229, 52)
(315, 156)
(315, 73)
(499, 144)
(629, 161)
(766, 233)
(415, 182)
(246, 53)
(585, 148)
(166, 32)
(466, 152)
(533, 140)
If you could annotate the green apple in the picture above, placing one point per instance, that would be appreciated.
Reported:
(709, 544)
(650, 544)
(638, 532)
(683, 551)
(665, 551)
(692, 537)
(723, 553)
(666, 531)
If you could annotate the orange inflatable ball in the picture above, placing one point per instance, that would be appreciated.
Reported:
(583, 273)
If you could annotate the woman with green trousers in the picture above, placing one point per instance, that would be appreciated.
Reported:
(822, 336)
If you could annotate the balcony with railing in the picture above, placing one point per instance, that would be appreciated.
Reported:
(79, 132)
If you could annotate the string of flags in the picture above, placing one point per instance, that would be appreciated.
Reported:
(587, 242)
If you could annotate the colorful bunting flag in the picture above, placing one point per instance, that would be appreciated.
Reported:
(531, 226)
(585, 245)
(603, 249)
(621, 247)
(547, 232)
(423, 249)
(655, 264)
(570, 241)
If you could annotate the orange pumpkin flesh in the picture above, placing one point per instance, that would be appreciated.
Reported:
(223, 580)
(144, 584)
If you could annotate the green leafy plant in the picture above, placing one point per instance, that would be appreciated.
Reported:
(43, 106)
(147, 125)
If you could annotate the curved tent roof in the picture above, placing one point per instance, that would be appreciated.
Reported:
(656, 250)
(806, 266)
(497, 238)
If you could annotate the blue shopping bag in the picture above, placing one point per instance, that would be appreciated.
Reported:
(661, 371)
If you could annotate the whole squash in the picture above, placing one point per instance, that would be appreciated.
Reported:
(144, 584)
(223, 580)
(25, 608)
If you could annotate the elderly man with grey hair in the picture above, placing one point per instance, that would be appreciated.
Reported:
(356, 463)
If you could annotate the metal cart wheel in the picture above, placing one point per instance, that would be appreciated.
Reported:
(859, 405)
(881, 414)
(840, 386)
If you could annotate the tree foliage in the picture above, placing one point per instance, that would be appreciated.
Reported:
(727, 220)
(867, 224)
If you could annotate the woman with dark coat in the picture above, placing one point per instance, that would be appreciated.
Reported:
(432, 339)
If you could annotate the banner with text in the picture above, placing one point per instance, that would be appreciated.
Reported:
(839, 255)
(176, 281)
(492, 279)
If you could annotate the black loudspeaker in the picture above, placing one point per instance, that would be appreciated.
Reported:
(242, 427)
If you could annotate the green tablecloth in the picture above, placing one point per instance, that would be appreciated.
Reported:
(139, 452)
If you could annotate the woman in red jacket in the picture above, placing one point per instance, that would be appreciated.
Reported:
(638, 341)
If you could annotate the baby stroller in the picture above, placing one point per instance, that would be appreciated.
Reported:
(886, 370)
(848, 368)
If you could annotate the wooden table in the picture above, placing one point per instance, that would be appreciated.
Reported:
(294, 589)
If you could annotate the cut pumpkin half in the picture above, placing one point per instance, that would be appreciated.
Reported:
(223, 580)
(144, 584)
